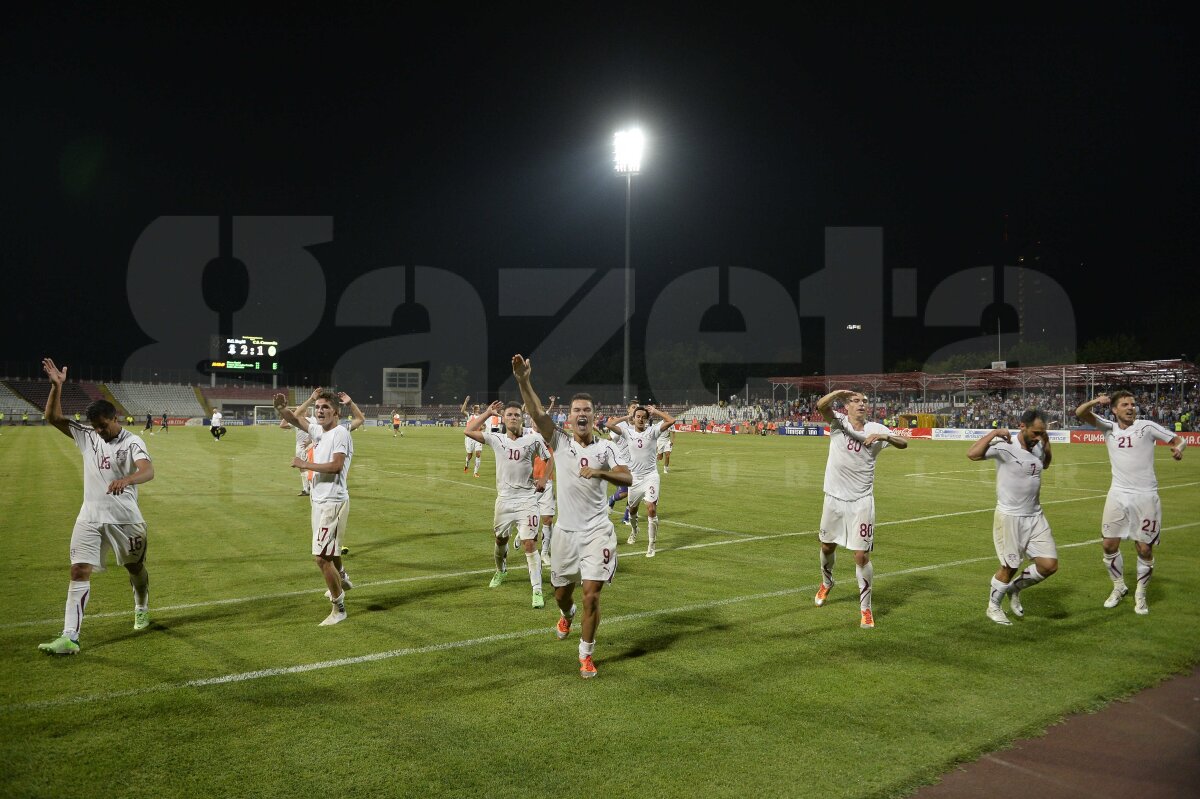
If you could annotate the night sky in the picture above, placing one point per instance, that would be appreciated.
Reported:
(475, 145)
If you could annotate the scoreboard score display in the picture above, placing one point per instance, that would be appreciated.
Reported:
(244, 355)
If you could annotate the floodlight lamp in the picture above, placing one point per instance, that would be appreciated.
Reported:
(628, 146)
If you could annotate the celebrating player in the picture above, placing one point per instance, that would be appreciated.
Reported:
(115, 463)
(1019, 528)
(583, 547)
(848, 515)
(516, 491)
(1132, 509)
(474, 448)
(332, 452)
(641, 439)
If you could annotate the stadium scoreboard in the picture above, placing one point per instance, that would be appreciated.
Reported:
(244, 355)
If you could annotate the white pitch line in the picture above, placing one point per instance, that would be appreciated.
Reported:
(246, 676)
(743, 538)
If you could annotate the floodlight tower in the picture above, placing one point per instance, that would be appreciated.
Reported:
(628, 146)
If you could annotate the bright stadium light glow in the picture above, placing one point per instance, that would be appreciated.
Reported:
(628, 147)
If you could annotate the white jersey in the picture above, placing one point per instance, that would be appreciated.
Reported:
(514, 464)
(622, 445)
(216, 419)
(331, 487)
(1131, 452)
(1018, 477)
(303, 439)
(582, 502)
(642, 448)
(850, 470)
(103, 462)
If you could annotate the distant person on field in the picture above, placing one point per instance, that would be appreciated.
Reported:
(115, 463)
(848, 514)
(164, 422)
(1019, 528)
(215, 426)
(1133, 508)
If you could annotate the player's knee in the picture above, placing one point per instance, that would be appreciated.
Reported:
(1047, 567)
(81, 571)
(1110, 545)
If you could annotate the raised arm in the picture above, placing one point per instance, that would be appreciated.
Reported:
(667, 419)
(825, 403)
(474, 430)
(1085, 414)
(357, 419)
(287, 415)
(542, 422)
(53, 412)
(463, 410)
(979, 449)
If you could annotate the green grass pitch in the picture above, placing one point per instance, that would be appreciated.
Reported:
(717, 675)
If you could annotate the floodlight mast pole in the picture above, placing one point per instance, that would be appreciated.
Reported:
(628, 284)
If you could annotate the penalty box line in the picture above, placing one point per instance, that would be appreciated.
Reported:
(743, 538)
(279, 671)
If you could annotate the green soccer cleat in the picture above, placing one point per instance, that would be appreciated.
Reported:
(497, 579)
(538, 600)
(60, 646)
(141, 619)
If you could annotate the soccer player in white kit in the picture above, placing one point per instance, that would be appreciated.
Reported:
(332, 452)
(848, 513)
(1019, 528)
(516, 490)
(641, 439)
(304, 441)
(474, 448)
(583, 547)
(214, 425)
(1132, 509)
(115, 463)
(665, 445)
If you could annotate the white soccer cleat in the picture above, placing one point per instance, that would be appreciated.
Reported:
(650, 550)
(996, 614)
(1014, 604)
(1118, 593)
(632, 539)
(333, 618)
(1139, 604)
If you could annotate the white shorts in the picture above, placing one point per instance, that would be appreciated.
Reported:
(1020, 537)
(588, 555)
(523, 519)
(91, 540)
(545, 501)
(1136, 516)
(472, 445)
(663, 445)
(328, 526)
(646, 488)
(848, 523)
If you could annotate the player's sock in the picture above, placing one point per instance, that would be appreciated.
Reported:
(633, 524)
(534, 561)
(652, 528)
(141, 589)
(999, 589)
(77, 598)
(501, 555)
(866, 582)
(1115, 563)
(1029, 577)
(1145, 570)
(827, 567)
(339, 603)
(586, 648)
(625, 518)
(477, 467)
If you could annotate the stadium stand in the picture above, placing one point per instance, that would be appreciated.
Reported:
(74, 397)
(237, 395)
(140, 399)
(13, 404)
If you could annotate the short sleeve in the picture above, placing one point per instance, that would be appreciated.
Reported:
(81, 434)
(341, 441)
(137, 450)
(997, 452)
(616, 458)
(1159, 432)
(1103, 423)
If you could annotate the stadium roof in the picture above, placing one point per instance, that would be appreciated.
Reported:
(1090, 374)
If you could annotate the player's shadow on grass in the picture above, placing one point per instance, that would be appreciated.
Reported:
(667, 632)
(408, 596)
